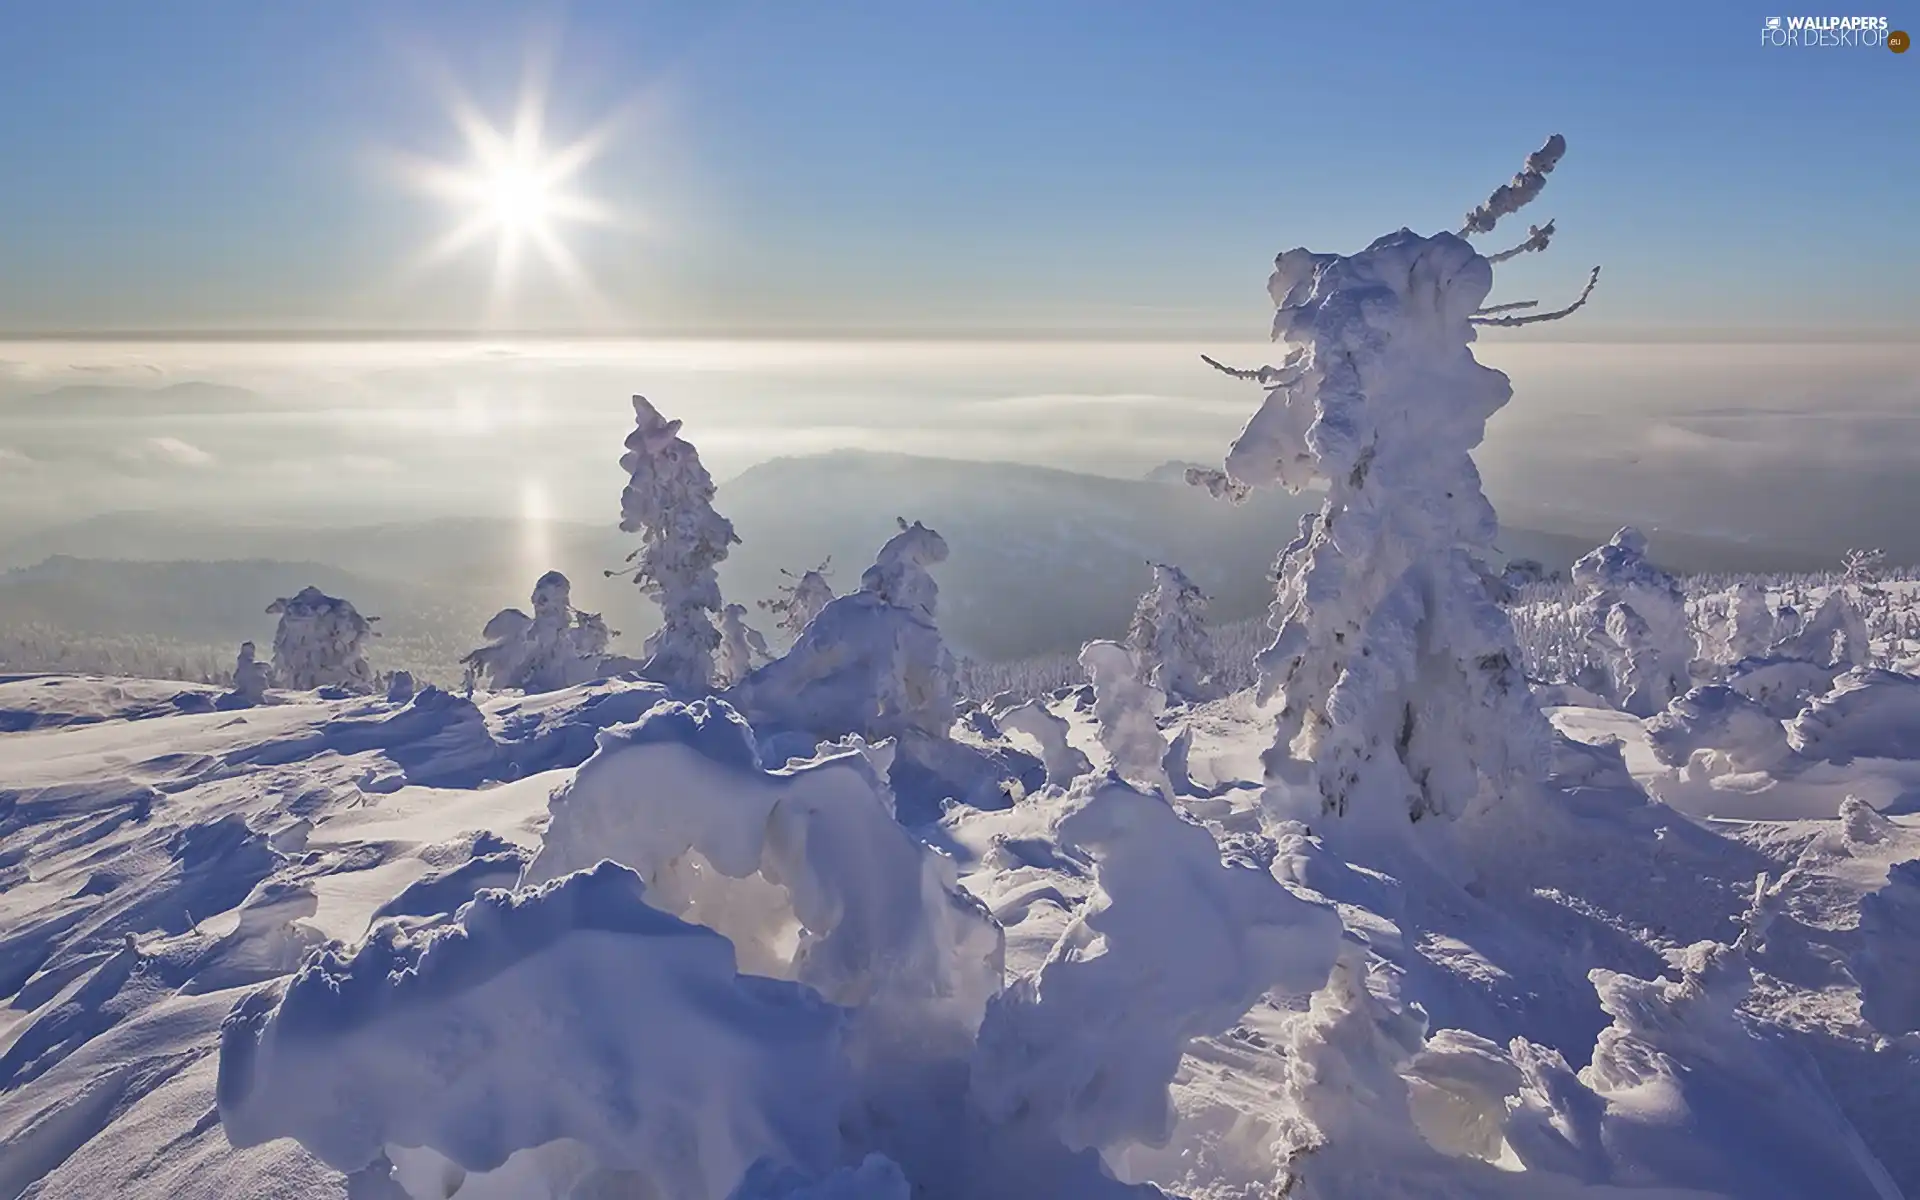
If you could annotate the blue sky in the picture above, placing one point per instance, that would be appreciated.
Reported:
(956, 168)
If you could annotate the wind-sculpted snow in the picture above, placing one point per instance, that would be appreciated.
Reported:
(573, 1011)
(1127, 710)
(1715, 728)
(1868, 714)
(1064, 762)
(804, 869)
(1172, 944)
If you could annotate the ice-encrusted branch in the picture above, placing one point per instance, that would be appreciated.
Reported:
(1490, 309)
(1537, 238)
(1268, 376)
(1536, 318)
(1518, 192)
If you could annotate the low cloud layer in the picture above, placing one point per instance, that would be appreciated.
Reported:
(1805, 445)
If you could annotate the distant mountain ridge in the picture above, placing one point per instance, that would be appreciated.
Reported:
(1042, 559)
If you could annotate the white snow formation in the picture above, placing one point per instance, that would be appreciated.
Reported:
(1064, 761)
(1636, 615)
(741, 646)
(320, 641)
(668, 500)
(250, 677)
(872, 662)
(557, 647)
(1128, 710)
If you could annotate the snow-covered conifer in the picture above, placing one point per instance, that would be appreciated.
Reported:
(1401, 674)
(1168, 637)
(741, 646)
(1835, 635)
(1127, 709)
(1749, 628)
(557, 647)
(801, 600)
(320, 642)
(1636, 620)
(669, 501)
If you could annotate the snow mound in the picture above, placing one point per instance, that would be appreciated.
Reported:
(1128, 711)
(1173, 943)
(495, 1035)
(1887, 963)
(1726, 730)
(1870, 713)
(804, 869)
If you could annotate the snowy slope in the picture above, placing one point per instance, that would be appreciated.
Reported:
(160, 867)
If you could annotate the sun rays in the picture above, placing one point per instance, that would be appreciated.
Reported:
(516, 195)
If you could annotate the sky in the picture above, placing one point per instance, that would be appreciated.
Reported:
(987, 169)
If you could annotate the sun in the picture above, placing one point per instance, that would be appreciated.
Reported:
(513, 193)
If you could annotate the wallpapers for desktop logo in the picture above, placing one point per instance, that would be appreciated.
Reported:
(1849, 32)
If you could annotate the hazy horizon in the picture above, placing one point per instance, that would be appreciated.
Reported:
(1802, 445)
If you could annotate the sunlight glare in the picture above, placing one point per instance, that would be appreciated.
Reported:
(514, 191)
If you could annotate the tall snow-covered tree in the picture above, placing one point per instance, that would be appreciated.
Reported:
(669, 501)
(557, 647)
(1168, 638)
(320, 641)
(1636, 620)
(1402, 680)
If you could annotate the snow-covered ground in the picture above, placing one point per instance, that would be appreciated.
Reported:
(158, 868)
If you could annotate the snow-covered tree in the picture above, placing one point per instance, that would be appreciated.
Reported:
(1836, 633)
(669, 501)
(800, 600)
(871, 662)
(320, 642)
(899, 573)
(1749, 625)
(557, 647)
(741, 646)
(1127, 710)
(1401, 675)
(1168, 638)
(1636, 620)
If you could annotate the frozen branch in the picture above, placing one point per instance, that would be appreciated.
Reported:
(1517, 193)
(1537, 238)
(1490, 309)
(1269, 376)
(1536, 318)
